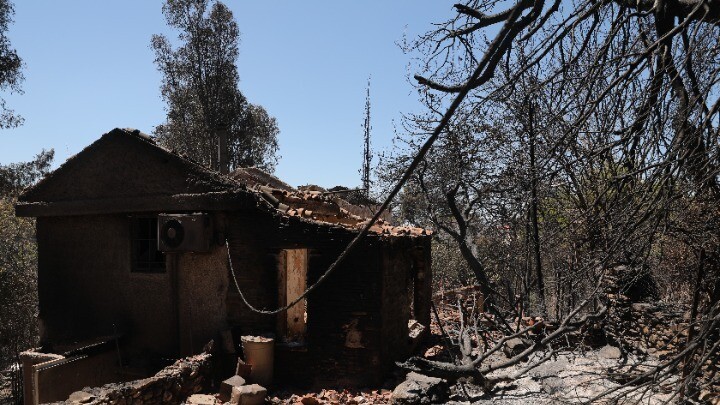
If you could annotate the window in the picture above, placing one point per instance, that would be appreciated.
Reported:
(146, 256)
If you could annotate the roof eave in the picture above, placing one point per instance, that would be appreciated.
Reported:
(214, 201)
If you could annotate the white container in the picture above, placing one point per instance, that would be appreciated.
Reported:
(260, 354)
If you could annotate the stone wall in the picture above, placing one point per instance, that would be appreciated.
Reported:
(648, 328)
(171, 385)
(655, 328)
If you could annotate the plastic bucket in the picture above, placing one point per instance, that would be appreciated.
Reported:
(259, 353)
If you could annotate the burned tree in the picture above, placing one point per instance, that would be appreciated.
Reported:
(616, 156)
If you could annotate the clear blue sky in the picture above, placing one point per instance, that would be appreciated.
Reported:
(88, 69)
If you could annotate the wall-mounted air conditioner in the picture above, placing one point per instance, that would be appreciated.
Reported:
(184, 232)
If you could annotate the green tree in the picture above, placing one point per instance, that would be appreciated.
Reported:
(17, 176)
(10, 67)
(18, 259)
(200, 87)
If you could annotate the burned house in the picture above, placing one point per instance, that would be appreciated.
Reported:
(134, 247)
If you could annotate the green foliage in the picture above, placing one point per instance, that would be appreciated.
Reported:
(200, 87)
(10, 67)
(18, 282)
(18, 259)
(17, 176)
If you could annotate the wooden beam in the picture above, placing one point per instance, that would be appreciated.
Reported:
(215, 201)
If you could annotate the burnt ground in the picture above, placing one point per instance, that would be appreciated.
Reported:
(571, 376)
(433, 348)
(574, 375)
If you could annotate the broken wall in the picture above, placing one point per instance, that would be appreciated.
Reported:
(171, 385)
(406, 295)
(254, 250)
(344, 323)
(49, 377)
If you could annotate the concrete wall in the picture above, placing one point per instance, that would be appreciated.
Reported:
(50, 377)
(121, 165)
(56, 382)
(357, 321)
(344, 315)
(254, 250)
(343, 327)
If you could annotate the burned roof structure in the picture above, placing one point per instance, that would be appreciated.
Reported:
(142, 245)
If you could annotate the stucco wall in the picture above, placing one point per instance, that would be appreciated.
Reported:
(202, 290)
(357, 320)
(85, 285)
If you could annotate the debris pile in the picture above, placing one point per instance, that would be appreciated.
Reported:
(171, 385)
(334, 397)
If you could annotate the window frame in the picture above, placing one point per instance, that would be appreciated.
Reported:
(150, 265)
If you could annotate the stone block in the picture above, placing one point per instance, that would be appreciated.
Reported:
(609, 352)
(309, 400)
(515, 346)
(81, 397)
(252, 394)
(201, 399)
(226, 387)
(243, 369)
(418, 388)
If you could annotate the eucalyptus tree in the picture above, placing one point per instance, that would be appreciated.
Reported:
(10, 67)
(200, 87)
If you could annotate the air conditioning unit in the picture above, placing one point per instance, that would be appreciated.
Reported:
(184, 232)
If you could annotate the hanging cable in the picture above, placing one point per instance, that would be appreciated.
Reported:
(470, 84)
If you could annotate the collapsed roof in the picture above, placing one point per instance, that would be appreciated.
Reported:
(126, 171)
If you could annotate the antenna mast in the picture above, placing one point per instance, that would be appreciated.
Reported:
(367, 153)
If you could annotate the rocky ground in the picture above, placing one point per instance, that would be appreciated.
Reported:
(573, 377)
(382, 396)
(570, 377)
(576, 376)
(580, 375)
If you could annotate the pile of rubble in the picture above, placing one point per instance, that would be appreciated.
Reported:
(334, 397)
(232, 391)
(171, 385)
